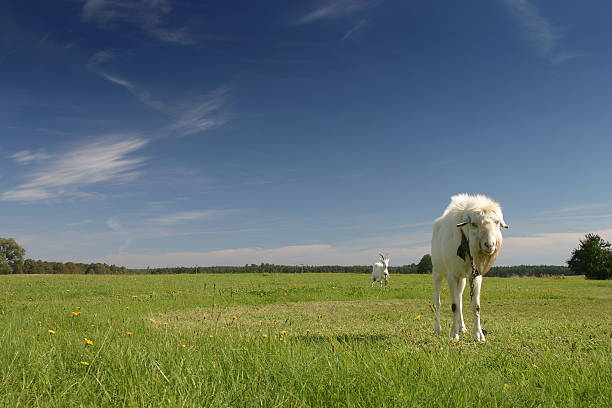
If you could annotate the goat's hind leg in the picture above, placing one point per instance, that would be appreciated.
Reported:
(437, 285)
(453, 286)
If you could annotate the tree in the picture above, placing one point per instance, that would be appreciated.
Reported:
(424, 265)
(593, 258)
(11, 256)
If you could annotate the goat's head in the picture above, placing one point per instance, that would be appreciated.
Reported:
(483, 231)
(384, 259)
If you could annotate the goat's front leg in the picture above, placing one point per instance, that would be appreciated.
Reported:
(460, 288)
(478, 334)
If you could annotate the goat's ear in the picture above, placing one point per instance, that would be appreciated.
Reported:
(465, 220)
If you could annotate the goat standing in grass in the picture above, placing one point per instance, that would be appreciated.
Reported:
(380, 271)
(465, 243)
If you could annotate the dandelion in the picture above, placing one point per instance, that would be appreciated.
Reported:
(85, 363)
(417, 317)
(264, 336)
(75, 314)
(130, 333)
(88, 342)
(183, 345)
(50, 331)
(211, 337)
(234, 317)
(284, 331)
(152, 320)
(307, 331)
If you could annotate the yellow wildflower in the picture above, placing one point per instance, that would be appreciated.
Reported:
(234, 317)
(284, 331)
(152, 320)
(211, 337)
(51, 331)
(183, 345)
(88, 342)
(75, 314)
(417, 317)
(85, 363)
(130, 333)
(264, 336)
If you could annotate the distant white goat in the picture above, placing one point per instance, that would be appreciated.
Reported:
(380, 271)
(465, 243)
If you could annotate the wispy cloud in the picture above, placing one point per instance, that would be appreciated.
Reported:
(538, 30)
(191, 216)
(104, 160)
(202, 115)
(28, 156)
(117, 80)
(139, 93)
(333, 9)
(113, 224)
(355, 29)
(148, 15)
(100, 57)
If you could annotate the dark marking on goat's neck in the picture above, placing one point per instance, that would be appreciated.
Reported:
(463, 251)
(454, 307)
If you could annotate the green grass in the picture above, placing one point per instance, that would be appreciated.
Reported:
(313, 340)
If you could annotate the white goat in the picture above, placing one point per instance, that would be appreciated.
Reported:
(380, 271)
(465, 243)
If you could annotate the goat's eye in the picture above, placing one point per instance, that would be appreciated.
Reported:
(497, 222)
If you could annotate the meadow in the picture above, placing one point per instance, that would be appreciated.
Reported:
(298, 340)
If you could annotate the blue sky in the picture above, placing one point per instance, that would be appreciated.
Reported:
(162, 133)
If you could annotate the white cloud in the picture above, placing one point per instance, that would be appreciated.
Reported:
(333, 9)
(538, 30)
(191, 216)
(192, 117)
(113, 224)
(27, 156)
(552, 248)
(117, 80)
(105, 160)
(356, 28)
(315, 254)
(202, 115)
(147, 15)
(100, 57)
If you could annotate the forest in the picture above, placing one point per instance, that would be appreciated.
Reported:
(44, 267)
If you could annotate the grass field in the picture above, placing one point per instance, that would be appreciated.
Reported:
(312, 340)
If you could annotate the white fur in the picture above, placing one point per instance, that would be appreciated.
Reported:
(480, 218)
(380, 271)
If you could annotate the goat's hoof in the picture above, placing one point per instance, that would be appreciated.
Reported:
(479, 336)
(485, 331)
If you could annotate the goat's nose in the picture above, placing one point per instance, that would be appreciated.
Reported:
(490, 244)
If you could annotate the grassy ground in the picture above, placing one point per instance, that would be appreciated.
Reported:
(318, 340)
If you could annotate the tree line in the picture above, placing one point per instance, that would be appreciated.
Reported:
(593, 258)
